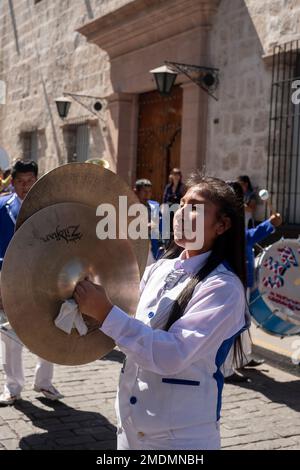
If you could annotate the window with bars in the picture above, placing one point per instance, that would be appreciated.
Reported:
(76, 138)
(283, 173)
(29, 142)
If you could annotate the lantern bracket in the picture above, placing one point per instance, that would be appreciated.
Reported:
(207, 78)
(99, 102)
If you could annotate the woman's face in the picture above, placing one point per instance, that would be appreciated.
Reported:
(197, 224)
(176, 177)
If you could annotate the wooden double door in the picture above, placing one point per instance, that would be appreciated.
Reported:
(159, 138)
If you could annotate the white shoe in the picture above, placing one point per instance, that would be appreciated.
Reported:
(8, 399)
(51, 392)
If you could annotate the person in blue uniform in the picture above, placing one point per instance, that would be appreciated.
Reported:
(143, 190)
(24, 175)
(192, 308)
(233, 372)
(255, 235)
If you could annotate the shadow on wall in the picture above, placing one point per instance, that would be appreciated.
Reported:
(89, 9)
(14, 25)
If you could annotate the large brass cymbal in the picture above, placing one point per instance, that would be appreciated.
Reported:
(84, 183)
(47, 256)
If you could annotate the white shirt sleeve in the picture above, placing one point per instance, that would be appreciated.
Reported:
(215, 313)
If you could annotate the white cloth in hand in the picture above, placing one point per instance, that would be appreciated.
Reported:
(70, 317)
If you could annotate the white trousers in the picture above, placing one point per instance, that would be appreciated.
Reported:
(13, 367)
(205, 437)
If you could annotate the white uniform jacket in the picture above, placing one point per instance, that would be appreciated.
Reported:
(172, 379)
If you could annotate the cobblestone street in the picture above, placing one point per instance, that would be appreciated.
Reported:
(263, 414)
(132, 130)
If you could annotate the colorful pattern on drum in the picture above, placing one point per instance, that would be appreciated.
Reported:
(275, 299)
(287, 259)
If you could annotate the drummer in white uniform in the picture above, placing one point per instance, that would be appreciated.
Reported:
(232, 369)
(191, 310)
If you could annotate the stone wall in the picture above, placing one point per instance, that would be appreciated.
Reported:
(241, 40)
(275, 21)
(42, 55)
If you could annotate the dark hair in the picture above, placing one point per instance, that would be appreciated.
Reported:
(176, 171)
(228, 247)
(6, 173)
(142, 183)
(24, 167)
(246, 179)
(236, 186)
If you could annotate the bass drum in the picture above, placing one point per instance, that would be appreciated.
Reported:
(275, 298)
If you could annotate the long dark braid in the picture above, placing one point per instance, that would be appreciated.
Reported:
(229, 247)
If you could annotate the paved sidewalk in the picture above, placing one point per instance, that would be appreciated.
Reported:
(261, 415)
(288, 346)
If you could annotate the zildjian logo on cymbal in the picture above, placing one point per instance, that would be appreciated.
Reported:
(68, 234)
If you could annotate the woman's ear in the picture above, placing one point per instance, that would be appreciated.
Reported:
(223, 225)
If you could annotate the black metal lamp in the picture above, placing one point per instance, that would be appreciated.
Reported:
(63, 105)
(165, 78)
(205, 77)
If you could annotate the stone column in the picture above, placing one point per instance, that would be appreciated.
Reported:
(194, 125)
(121, 134)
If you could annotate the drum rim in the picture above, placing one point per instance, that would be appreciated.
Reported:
(291, 318)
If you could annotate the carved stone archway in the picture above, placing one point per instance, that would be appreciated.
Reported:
(175, 30)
